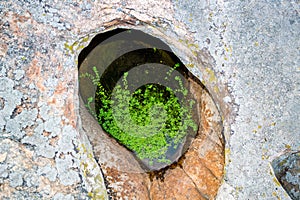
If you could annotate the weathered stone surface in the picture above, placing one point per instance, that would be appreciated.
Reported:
(175, 185)
(287, 171)
(248, 60)
(126, 185)
(21, 174)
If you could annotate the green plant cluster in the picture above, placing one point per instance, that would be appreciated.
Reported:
(149, 121)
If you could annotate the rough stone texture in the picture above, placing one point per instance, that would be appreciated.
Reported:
(245, 52)
(286, 168)
(204, 161)
(184, 187)
(38, 120)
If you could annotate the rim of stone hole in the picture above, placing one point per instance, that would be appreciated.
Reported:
(208, 121)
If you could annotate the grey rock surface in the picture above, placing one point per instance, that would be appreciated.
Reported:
(245, 52)
(286, 168)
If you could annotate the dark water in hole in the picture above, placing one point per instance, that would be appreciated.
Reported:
(146, 58)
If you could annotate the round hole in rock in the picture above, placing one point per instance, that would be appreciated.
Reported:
(137, 90)
(144, 97)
